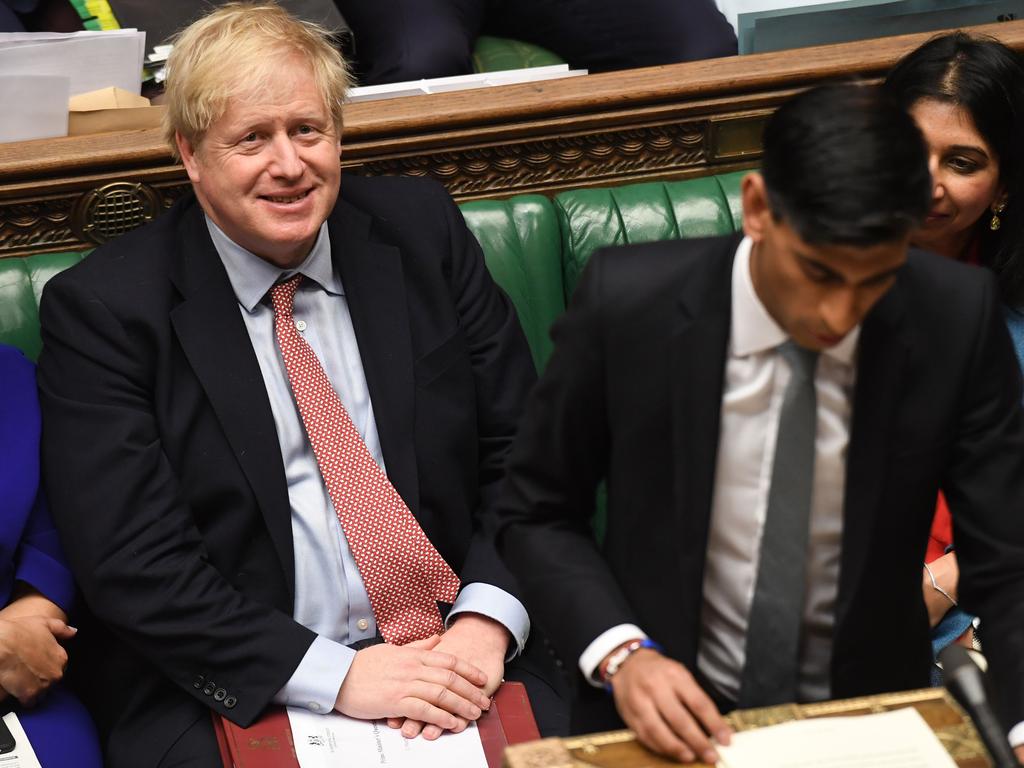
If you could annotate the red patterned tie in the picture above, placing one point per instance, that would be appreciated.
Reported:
(403, 573)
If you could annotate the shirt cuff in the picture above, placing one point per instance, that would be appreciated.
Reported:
(604, 644)
(494, 603)
(1016, 736)
(315, 683)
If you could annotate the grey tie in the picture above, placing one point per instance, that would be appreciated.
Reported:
(773, 627)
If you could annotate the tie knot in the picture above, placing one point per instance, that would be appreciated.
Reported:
(282, 296)
(802, 361)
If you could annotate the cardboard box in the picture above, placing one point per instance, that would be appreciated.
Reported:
(111, 109)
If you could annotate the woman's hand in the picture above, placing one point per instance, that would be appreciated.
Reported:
(31, 657)
(947, 575)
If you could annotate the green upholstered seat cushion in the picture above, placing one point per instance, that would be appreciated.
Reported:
(521, 246)
(21, 285)
(637, 213)
(496, 54)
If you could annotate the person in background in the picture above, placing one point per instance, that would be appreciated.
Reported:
(398, 40)
(967, 96)
(36, 588)
(774, 414)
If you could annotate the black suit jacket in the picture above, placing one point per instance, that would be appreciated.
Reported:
(633, 394)
(163, 465)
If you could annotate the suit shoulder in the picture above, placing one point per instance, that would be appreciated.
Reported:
(386, 194)
(937, 283)
(135, 257)
(646, 269)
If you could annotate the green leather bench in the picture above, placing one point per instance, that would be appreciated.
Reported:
(535, 247)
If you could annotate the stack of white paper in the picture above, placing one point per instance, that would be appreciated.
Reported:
(41, 70)
(897, 739)
(328, 741)
(462, 82)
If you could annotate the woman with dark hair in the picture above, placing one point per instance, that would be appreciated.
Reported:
(36, 588)
(967, 96)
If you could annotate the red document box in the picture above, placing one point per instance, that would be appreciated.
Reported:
(267, 743)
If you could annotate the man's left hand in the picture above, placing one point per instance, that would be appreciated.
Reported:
(481, 641)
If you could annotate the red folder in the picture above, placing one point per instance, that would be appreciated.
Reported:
(267, 743)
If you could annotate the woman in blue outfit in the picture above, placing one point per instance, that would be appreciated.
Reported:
(36, 588)
(967, 96)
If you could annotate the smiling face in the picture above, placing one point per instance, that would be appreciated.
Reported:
(965, 177)
(267, 171)
(816, 293)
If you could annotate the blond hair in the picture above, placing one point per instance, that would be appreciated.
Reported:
(238, 48)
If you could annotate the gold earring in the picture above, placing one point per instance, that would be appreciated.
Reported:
(996, 222)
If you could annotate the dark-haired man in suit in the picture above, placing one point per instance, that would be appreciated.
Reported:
(276, 419)
(774, 415)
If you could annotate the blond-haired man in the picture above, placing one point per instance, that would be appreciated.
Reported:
(235, 393)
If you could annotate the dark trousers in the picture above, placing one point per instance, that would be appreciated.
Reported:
(410, 39)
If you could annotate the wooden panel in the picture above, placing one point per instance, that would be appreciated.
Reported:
(620, 749)
(674, 121)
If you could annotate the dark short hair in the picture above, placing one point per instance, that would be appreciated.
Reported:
(985, 79)
(844, 164)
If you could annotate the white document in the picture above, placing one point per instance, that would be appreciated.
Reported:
(462, 82)
(35, 107)
(329, 741)
(90, 60)
(23, 755)
(897, 739)
(731, 9)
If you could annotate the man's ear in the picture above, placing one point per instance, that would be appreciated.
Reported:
(187, 152)
(757, 213)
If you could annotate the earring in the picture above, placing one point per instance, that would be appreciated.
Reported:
(996, 222)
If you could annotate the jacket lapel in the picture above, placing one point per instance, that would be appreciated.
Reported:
(698, 353)
(881, 361)
(216, 343)
(371, 273)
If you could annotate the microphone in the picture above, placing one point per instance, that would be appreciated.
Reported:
(965, 681)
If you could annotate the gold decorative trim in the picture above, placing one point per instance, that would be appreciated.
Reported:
(559, 161)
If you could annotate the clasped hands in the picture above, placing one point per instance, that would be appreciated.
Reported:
(31, 656)
(429, 686)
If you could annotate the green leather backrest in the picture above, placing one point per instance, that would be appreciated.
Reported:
(21, 284)
(495, 54)
(522, 246)
(638, 213)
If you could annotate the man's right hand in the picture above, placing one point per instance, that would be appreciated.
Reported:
(389, 681)
(31, 658)
(661, 702)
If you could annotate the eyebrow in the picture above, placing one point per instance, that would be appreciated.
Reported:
(876, 278)
(968, 148)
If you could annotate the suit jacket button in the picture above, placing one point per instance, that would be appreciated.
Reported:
(220, 694)
(229, 702)
(210, 688)
(198, 682)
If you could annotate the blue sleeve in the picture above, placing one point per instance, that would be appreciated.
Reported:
(28, 540)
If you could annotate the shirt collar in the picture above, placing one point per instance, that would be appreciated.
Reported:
(252, 277)
(754, 329)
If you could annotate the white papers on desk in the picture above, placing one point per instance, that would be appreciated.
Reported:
(23, 755)
(462, 82)
(90, 60)
(897, 739)
(35, 107)
(321, 739)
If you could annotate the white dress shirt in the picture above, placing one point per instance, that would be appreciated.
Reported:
(330, 597)
(756, 376)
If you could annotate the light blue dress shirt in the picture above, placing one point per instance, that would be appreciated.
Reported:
(330, 597)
